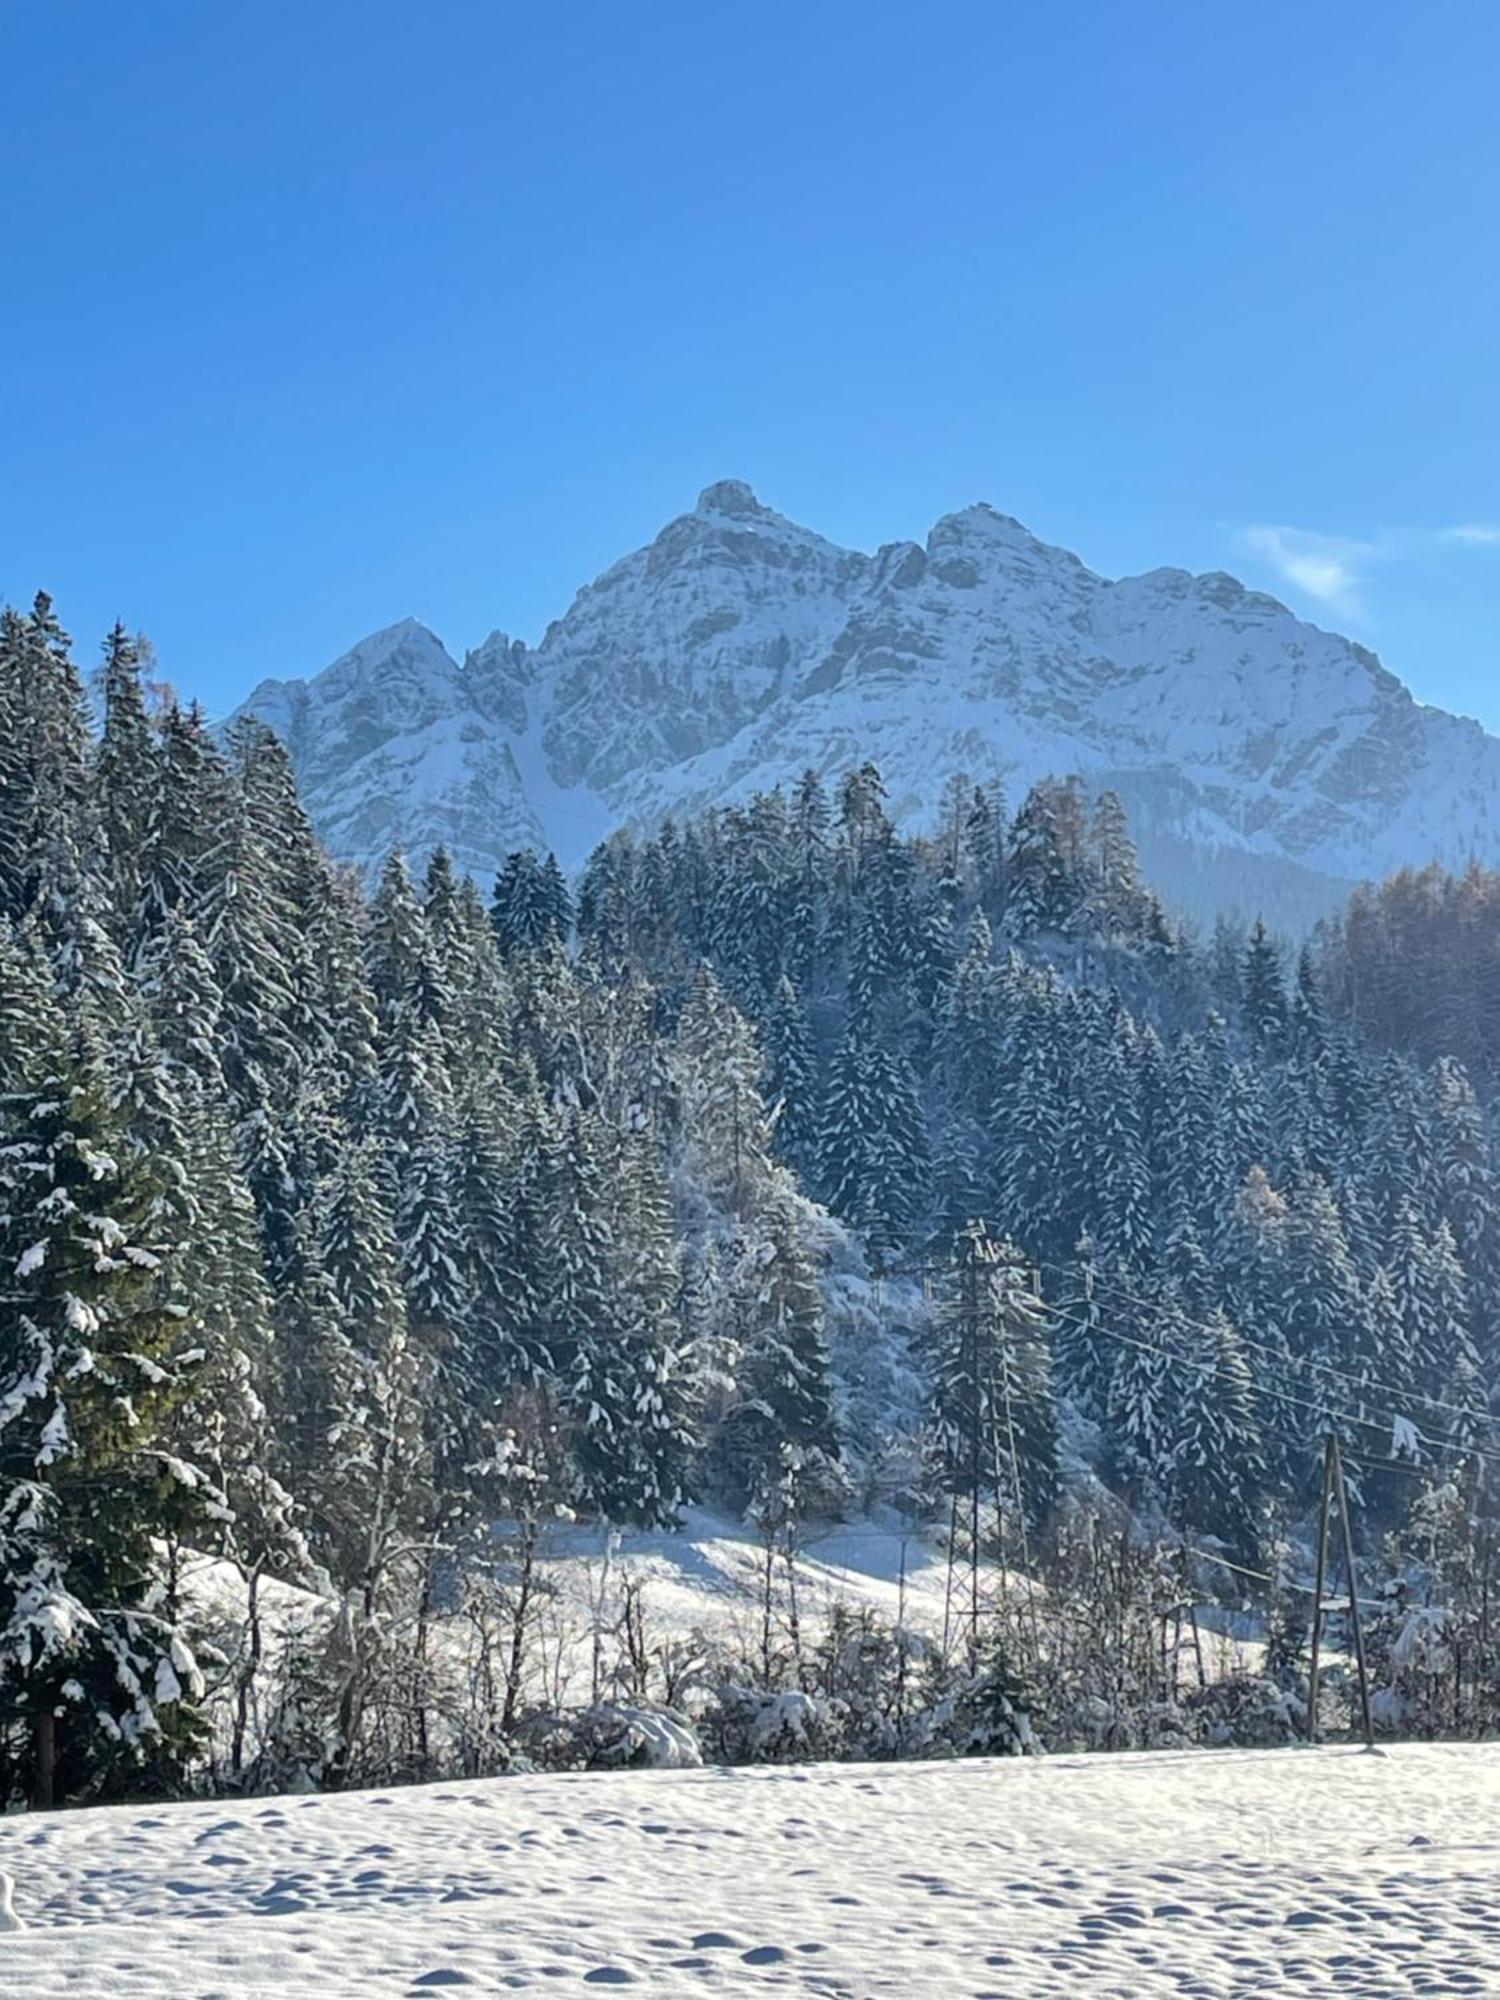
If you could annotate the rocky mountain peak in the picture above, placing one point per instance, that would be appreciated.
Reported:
(1263, 761)
(734, 497)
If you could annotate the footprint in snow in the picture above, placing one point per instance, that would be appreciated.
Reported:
(9, 1921)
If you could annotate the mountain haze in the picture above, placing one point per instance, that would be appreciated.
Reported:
(1263, 761)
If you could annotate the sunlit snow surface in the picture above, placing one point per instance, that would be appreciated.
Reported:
(1246, 1873)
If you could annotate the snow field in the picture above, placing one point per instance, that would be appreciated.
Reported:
(1204, 1874)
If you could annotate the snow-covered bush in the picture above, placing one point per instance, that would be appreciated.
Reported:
(611, 1736)
(1250, 1712)
(748, 1725)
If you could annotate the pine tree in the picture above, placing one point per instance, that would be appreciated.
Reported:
(182, 823)
(47, 845)
(368, 1399)
(531, 909)
(124, 778)
(873, 1146)
(1141, 1408)
(497, 1225)
(1081, 1353)
(634, 1450)
(793, 1076)
(95, 1665)
(782, 1440)
(1265, 1002)
(1218, 1470)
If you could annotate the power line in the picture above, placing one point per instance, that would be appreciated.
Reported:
(1264, 1576)
(1285, 1358)
(1319, 1409)
(1277, 1355)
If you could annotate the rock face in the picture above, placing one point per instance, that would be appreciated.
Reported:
(1263, 762)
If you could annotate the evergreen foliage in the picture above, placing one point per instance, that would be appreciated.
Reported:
(314, 1201)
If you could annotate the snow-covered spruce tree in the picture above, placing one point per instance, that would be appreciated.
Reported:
(1046, 867)
(969, 1031)
(717, 1072)
(793, 1076)
(1140, 1417)
(47, 847)
(256, 940)
(1120, 1196)
(477, 1039)
(1321, 1315)
(1267, 1015)
(607, 906)
(396, 946)
(1218, 1469)
(873, 1146)
(1027, 1120)
(1116, 893)
(125, 768)
(531, 908)
(985, 827)
(780, 1444)
(1082, 1356)
(204, 1223)
(494, 1191)
(97, 1678)
(574, 1259)
(375, 1519)
(632, 1443)
(370, 1409)
(189, 786)
(30, 1025)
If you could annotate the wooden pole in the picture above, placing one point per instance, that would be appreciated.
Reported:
(1317, 1629)
(1354, 1624)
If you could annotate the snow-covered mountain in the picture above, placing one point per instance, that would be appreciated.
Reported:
(1263, 761)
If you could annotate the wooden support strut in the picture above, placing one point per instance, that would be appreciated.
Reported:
(1335, 1488)
(1322, 1570)
(1354, 1624)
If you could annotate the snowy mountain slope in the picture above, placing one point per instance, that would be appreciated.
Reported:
(1256, 753)
(1227, 1874)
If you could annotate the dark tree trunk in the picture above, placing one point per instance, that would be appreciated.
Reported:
(44, 1747)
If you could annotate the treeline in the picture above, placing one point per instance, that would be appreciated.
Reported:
(331, 1228)
(1414, 965)
(797, 1165)
(1253, 1221)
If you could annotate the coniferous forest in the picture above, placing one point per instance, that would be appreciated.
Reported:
(353, 1234)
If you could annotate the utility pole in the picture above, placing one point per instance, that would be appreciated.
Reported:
(1317, 1631)
(1334, 1488)
(1354, 1624)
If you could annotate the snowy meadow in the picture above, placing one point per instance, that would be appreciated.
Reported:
(1236, 1874)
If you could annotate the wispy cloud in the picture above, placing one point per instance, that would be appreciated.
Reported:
(1332, 568)
(1329, 568)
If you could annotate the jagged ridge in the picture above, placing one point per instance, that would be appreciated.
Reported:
(1262, 759)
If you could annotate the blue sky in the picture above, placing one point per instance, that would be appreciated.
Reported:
(319, 316)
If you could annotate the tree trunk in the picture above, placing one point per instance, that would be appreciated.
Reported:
(516, 1669)
(44, 1747)
(248, 1675)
